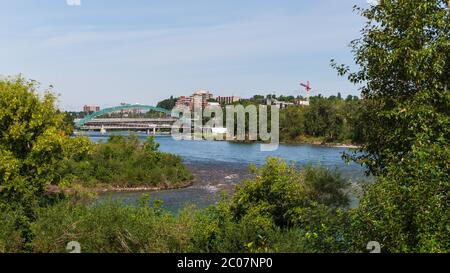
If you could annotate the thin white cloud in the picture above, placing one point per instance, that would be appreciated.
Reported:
(276, 35)
(109, 63)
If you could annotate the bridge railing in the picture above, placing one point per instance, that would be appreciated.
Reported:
(105, 111)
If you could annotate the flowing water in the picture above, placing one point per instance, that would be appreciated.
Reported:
(218, 166)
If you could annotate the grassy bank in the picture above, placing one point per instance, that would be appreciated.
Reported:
(282, 209)
(320, 141)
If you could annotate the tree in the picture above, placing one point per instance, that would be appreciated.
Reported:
(292, 120)
(404, 71)
(408, 209)
(323, 119)
(33, 144)
(168, 104)
(330, 119)
(279, 191)
(353, 128)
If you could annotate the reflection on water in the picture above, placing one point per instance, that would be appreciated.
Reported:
(218, 166)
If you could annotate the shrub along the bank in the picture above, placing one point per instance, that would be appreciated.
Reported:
(125, 161)
(282, 209)
(111, 227)
(280, 202)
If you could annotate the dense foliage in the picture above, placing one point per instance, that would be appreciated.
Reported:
(280, 204)
(408, 209)
(126, 162)
(168, 104)
(403, 57)
(325, 120)
(33, 143)
(38, 157)
(299, 211)
(111, 227)
(403, 118)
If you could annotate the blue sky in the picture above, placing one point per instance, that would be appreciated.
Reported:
(141, 51)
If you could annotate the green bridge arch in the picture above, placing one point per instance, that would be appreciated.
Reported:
(90, 117)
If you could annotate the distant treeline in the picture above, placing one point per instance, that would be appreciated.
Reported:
(327, 120)
(331, 119)
(168, 104)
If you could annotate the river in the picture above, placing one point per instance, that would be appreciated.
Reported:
(219, 165)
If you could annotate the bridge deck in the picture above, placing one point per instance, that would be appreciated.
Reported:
(131, 120)
(128, 124)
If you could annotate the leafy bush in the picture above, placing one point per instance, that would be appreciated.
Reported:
(33, 143)
(280, 202)
(111, 227)
(408, 210)
(11, 239)
(279, 190)
(215, 231)
(264, 223)
(125, 161)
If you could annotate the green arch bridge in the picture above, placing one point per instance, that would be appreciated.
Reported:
(82, 122)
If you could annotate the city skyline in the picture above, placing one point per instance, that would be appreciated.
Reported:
(107, 52)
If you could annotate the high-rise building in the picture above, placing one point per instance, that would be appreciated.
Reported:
(91, 108)
(183, 102)
(198, 100)
(201, 98)
(131, 110)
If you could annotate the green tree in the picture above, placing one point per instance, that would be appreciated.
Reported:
(323, 119)
(279, 191)
(33, 144)
(352, 112)
(282, 208)
(403, 57)
(408, 209)
(404, 72)
(292, 123)
(168, 104)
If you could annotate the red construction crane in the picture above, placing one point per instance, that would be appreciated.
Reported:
(308, 88)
